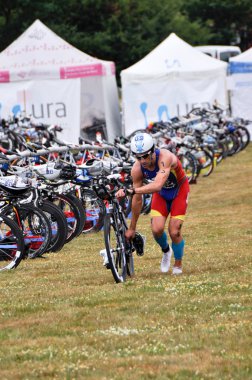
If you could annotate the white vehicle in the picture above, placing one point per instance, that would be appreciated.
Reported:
(220, 52)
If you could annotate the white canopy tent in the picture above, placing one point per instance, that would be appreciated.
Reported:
(168, 82)
(56, 83)
(240, 69)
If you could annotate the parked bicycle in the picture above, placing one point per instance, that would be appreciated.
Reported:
(11, 244)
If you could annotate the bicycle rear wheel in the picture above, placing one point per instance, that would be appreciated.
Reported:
(95, 211)
(206, 162)
(219, 151)
(80, 211)
(244, 136)
(189, 165)
(115, 248)
(11, 244)
(74, 213)
(58, 225)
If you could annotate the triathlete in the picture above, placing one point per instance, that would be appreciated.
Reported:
(170, 188)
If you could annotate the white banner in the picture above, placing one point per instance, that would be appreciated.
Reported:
(241, 95)
(46, 101)
(93, 118)
(151, 101)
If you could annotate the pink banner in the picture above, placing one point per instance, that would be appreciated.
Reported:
(4, 76)
(81, 71)
(113, 70)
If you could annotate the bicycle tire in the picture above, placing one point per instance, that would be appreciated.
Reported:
(81, 212)
(34, 225)
(115, 248)
(244, 136)
(58, 225)
(206, 162)
(189, 164)
(11, 244)
(219, 151)
(7, 143)
(208, 166)
(232, 144)
(95, 211)
(74, 213)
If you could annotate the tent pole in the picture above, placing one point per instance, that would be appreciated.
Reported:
(24, 102)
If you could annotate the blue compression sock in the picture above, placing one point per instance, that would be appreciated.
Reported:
(178, 249)
(162, 241)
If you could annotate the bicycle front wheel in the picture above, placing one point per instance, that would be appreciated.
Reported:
(115, 248)
(34, 225)
(11, 244)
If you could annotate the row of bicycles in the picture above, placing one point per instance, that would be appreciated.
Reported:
(202, 139)
(52, 192)
(49, 196)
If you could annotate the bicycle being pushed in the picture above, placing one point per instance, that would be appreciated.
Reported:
(118, 251)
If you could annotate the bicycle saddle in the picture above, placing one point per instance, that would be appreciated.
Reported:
(15, 190)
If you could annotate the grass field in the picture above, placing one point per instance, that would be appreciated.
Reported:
(63, 317)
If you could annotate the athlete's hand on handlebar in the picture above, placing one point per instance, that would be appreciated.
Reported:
(125, 191)
(120, 193)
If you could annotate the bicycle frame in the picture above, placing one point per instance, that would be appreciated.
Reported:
(119, 251)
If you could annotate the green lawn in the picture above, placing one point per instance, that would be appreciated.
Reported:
(63, 317)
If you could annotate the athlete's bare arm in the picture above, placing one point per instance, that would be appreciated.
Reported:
(136, 206)
(137, 178)
(166, 161)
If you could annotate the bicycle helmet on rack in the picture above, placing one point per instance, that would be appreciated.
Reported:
(68, 172)
(141, 143)
(93, 166)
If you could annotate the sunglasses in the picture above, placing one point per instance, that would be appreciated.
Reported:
(144, 156)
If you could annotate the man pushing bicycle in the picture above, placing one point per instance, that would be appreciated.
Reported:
(170, 188)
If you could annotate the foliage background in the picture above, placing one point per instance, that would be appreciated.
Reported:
(124, 31)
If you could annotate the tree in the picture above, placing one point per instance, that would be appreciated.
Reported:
(230, 22)
(124, 31)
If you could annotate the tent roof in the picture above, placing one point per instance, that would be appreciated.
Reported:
(174, 55)
(41, 53)
(242, 63)
(246, 56)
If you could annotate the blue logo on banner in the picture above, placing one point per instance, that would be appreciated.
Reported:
(162, 109)
(240, 67)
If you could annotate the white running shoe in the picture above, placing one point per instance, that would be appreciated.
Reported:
(177, 270)
(166, 261)
(104, 255)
